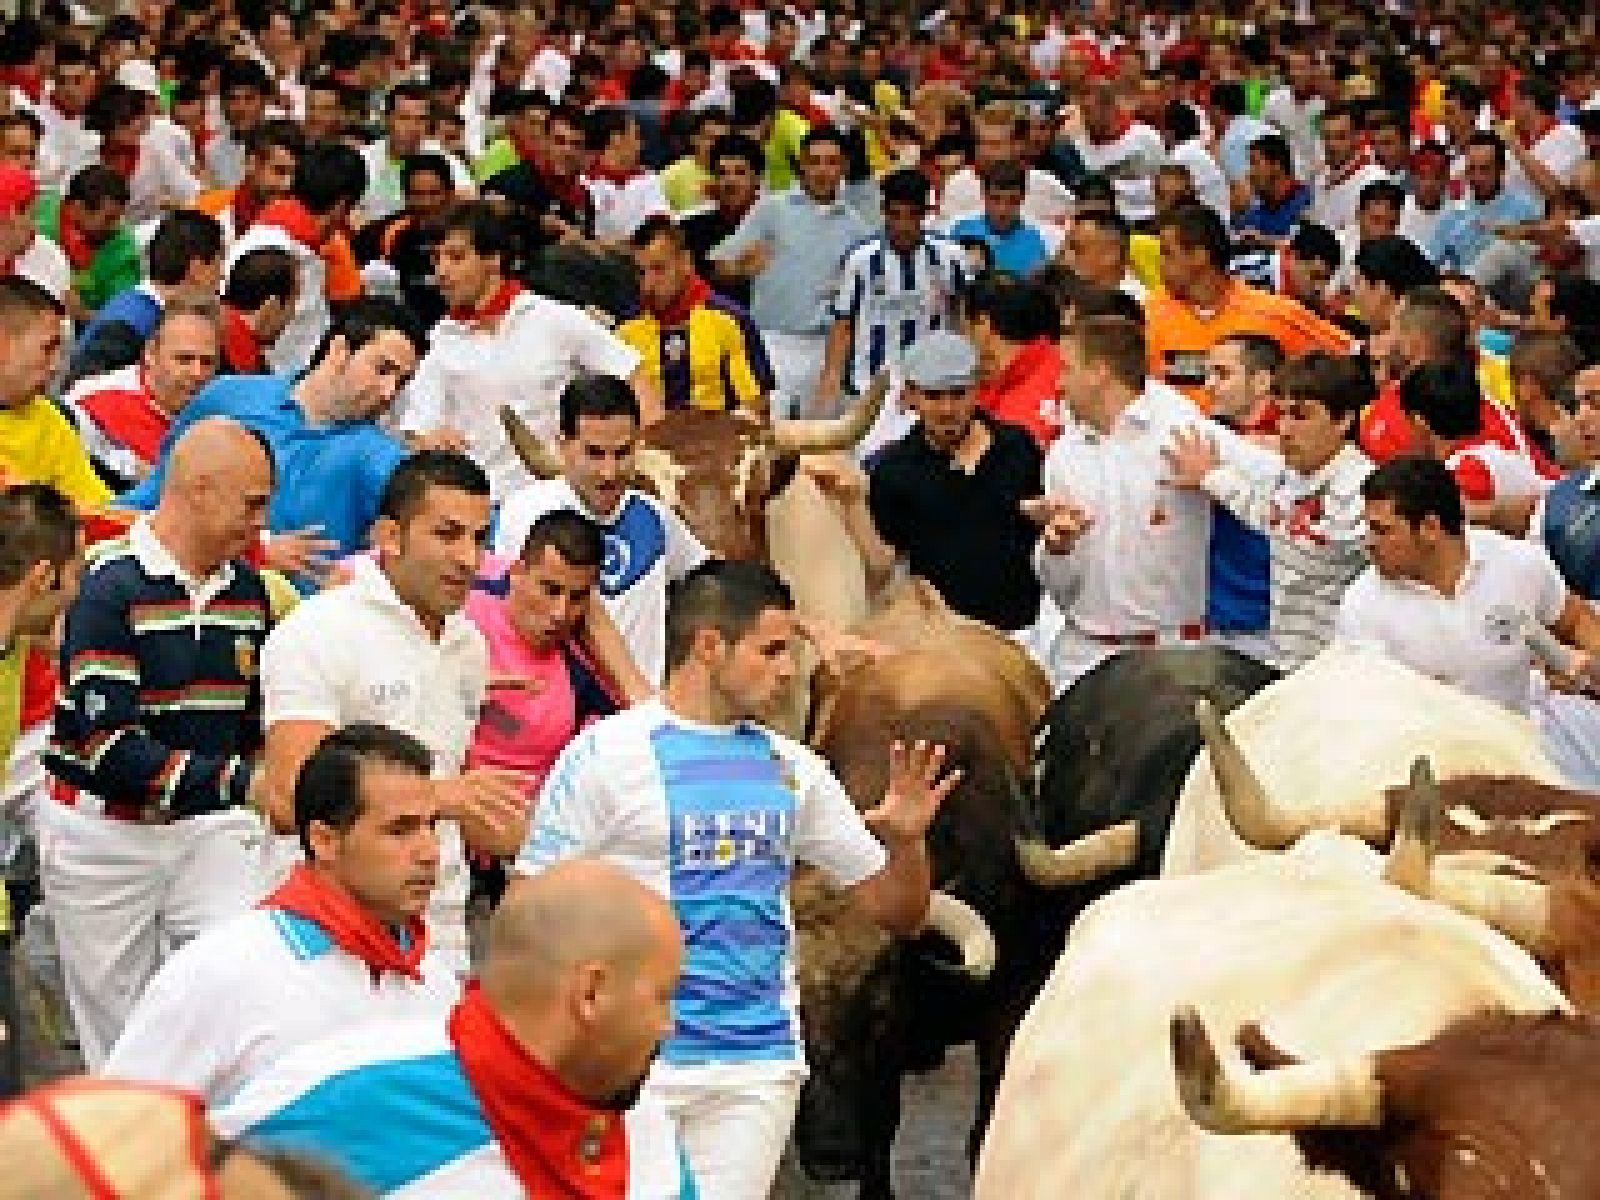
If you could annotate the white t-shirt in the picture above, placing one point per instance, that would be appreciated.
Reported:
(359, 653)
(385, 195)
(247, 991)
(45, 263)
(1130, 160)
(1045, 199)
(1561, 149)
(647, 547)
(1472, 640)
(524, 362)
(620, 208)
(715, 819)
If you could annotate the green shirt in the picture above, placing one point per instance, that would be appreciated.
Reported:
(684, 184)
(114, 266)
(499, 156)
(789, 129)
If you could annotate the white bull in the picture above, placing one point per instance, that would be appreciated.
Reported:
(1324, 743)
(1332, 960)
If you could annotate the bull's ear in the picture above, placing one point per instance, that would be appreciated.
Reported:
(1259, 1051)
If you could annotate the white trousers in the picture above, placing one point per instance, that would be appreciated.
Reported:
(123, 897)
(733, 1135)
(796, 360)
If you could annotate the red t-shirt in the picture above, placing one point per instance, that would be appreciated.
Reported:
(1026, 393)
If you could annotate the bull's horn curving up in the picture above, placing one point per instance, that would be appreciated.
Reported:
(1244, 797)
(965, 927)
(1518, 908)
(1326, 1095)
(1081, 860)
(541, 461)
(1416, 832)
(829, 434)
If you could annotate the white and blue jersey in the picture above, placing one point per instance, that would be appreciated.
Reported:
(715, 819)
(647, 546)
(388, 1103)
(892, 299)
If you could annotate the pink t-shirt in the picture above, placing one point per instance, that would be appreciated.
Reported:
(520, 729)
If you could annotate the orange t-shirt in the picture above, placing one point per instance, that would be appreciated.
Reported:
(1178, 336)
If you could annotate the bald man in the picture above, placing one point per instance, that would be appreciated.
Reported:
(522, 1091)
(157, 733)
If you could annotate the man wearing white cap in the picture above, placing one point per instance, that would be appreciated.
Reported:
(947, 498)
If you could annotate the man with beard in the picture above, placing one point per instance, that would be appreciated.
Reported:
(522, 1091)
(342, 941)
(392, 647)
(947, 496)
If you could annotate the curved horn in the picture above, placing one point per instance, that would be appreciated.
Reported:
(961, 924)
(826, 435)
(1416, 832)
(1244, 797)
(1518, 908)
(1081, 860)
(540, 460)
(1327, 1095)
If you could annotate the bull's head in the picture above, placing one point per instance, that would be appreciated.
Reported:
(719, 470)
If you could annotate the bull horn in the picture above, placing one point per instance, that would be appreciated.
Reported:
(1081, 860)
(1416, 832)
(541, 461)
(962, 925)
(829, 434)
(1325, 1095)
(1244, 797)
(1518, 908)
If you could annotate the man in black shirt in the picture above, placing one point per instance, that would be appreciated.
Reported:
(946, 498)
(407, 239)
(547, 198)
(736, 165)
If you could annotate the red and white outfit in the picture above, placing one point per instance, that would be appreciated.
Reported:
(623, 199)
(1336, 191)
(119, 420)
(289, 225)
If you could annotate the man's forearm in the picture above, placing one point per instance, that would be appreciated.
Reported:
(896, 898)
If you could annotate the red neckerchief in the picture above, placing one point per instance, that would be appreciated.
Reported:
(74, 242)
(601, 170)
(295, 219)
(1266, 420)
(246, 206)
(1290, 189)
(124, 160)
(695, 293)
(28, 80)
(569, 190)
(555, 1142)
(310, 894)
(491, 310)
(241, 349)
(1124, 123)
(1358, 160)
(527, 150)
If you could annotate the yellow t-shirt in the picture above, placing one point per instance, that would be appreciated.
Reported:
(39, 445)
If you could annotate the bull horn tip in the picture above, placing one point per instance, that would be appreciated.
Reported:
(1422, 771)
(1196, 1064)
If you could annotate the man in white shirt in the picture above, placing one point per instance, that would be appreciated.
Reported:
(1122, 552)
(245, 89)
(392, 647)
(405, 119)
(503, 346)
(648, 547)
(997, 138)
(67, 147)
(693, 797)
(1347, 168)
(1454, 602)
(23, 250)
(1294, 110)
(1185, 136)
(625, 192)
(1543, 153)
(340, 944)
(1117, 145)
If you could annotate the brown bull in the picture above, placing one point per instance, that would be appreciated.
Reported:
(1495, 1105)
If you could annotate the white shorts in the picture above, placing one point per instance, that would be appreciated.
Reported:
(733, 1134)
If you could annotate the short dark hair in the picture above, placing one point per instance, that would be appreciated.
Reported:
(1397, 263)
(1381, 191)
(824, 133)
(907, 186)
(576, 538)
(1485, 137)
(1106, 221)
(407, 90)
(426, 163)
(328, 788)
(1274, 148)
(1007, 175)
(1117, 342)
(1445, 397)
(183, 238)
(1094, 301)
(738, 145)
(1312, 242)
(489, 233)
(1540, 91)
(364, 318)
(265, 273)
(1229, 98)
(112, 107)
(1342, 383)
(97, 185)
(1257, 351)
(655, 228)
(244, 73)
(276, 134)
(596, 395)
(1198, 227)
(1442, 320)
(603, 124)
(409, 482)
(722, 595)
(1418, 488)
(37, 524)
(328, 174)
(1018, 310)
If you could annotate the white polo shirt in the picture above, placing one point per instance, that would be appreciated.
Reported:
(524, 361)
(249, 990)
(359, 653)
(647, 547)
(1473, 639)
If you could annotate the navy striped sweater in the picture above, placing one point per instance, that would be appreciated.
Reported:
(159, 702)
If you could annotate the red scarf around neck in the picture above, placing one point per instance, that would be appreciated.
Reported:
(74, 242)
(310, 894)
(496, 306)
(556, 1143)
(295, 219)
(695, 293)
(246, 206)
(602, 170)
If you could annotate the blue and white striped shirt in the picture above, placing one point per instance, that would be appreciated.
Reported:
(892, 299)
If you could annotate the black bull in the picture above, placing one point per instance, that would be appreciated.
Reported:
(1116, 747)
